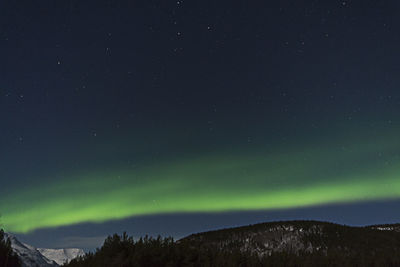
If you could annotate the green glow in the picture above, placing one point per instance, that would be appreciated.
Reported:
(211, 183)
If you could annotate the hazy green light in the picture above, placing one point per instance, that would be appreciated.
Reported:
(210, 183)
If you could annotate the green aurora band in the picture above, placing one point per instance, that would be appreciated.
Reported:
(215, 182)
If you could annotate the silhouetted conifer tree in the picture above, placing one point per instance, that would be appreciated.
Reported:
(7, 256)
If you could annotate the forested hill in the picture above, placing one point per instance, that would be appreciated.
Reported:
(301, 236)
(286, 243)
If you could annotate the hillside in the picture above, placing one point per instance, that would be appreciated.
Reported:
(7, 256)
(15, 253)
(287, 243)
(302, 236)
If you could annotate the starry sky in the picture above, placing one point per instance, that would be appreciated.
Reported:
(179, 116)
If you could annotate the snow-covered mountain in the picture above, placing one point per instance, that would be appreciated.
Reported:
(61, 256)
(29, 255)
(33, 257)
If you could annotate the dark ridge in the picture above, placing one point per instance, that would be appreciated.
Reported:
(282, 243)
(262, 226)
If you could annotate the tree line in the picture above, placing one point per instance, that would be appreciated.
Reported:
(123, 250)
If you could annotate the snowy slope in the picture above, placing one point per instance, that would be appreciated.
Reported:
(42, 257)
(29, 255)
(61, 256)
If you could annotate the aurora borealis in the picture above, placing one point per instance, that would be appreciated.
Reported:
(114, 110)
(315, 175)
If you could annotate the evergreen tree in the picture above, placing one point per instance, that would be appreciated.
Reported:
(7, 256)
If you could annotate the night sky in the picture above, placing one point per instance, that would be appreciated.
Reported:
(179, 116)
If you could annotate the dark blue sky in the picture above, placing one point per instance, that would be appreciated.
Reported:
(154, 99)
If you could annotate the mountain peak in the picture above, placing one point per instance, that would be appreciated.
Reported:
(61, 256)
(42, 257)
(28, 254)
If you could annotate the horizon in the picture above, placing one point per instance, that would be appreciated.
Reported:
(89, 236)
